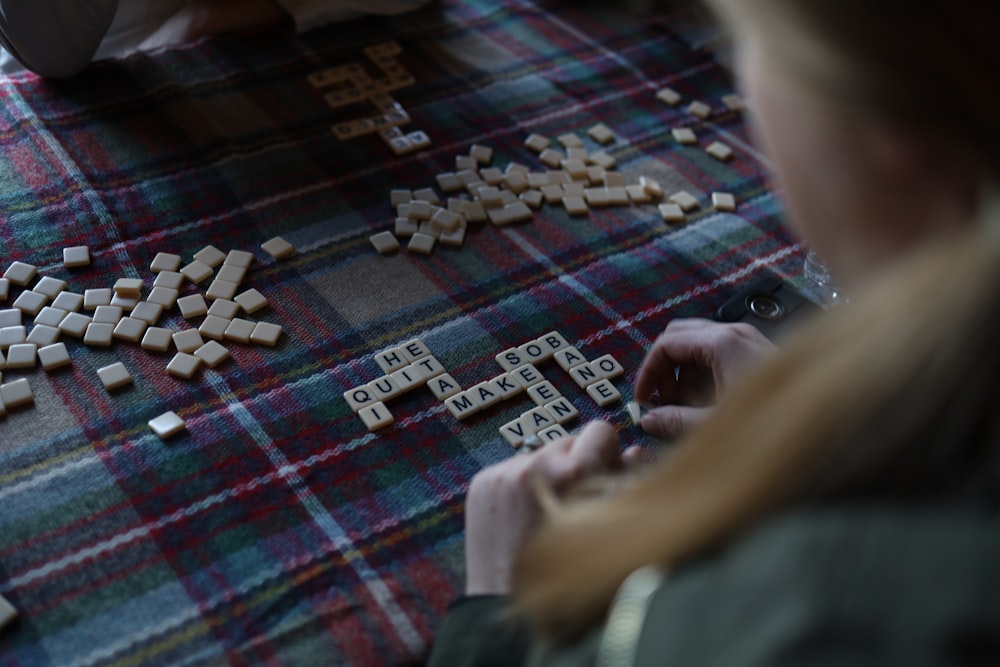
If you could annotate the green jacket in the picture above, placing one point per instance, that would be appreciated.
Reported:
(886, 586)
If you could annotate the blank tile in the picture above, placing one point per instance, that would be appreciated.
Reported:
(22, 355)
(197, 271)
(231, 273)
(551, 158)
(76, 256)
(638, 194)
(126, 303)
(604, 393)
(54, 356)
(20, 273)
(212, 353)
(13, 335)
(107, 314)
(170, 279)
(192, 306)
(685, 200)
(537, 142)
(278, 248)
(99, 334)
(165, 261)
(376, 416)
(75, 324)
(166, 425)
(130, 329)
(669, 96)
(128, 286)
(157, 339)
(221, 289)
(11, 317)
(210, 256)
(684, 135)
(575, 205)
(49, 286)
(239, 258)
(7, 612)
(114, 376)
(42, 334)
(266, 333)
(30, 302)
(482, 154)
(92, 298)
(162, 296)
(699, 109)
(719, 151)
(4, 289)
(68, 301)
(239, 330)
(214, 327)
(147, 312)
(183, 365)
(50, 316)
(601, 133)
(421, 243)
(651, 186)
(671, 213)
(384, 242)
(187, 341)
(224, 308)
(723, 201)
(17, 393)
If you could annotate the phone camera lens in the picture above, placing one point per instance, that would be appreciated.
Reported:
(766, 307)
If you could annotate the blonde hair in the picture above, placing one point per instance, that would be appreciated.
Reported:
(871, 399)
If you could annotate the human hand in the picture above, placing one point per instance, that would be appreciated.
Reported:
(689, 368)
(502, 507)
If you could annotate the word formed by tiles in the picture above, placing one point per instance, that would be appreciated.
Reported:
(411, 365)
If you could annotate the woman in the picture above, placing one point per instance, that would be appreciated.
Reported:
(839, 506)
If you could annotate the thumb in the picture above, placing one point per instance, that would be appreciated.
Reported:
(671, 420)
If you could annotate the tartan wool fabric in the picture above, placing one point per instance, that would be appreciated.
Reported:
(276, 530)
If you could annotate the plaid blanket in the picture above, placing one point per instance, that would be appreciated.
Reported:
(276, 530)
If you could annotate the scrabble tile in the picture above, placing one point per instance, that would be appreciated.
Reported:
(384, 388)
(537, 419)
(75, 324)
(278, 248)
(147, 312)
(166, 425)
(210, 256)
(576, 169)
(212, 353)
(484, 395)
(595, 175)
(570, 140)
(669, 96)
(575, 205)
(551, 158)
(11, 317)
(474, 212)
(603, 160)
(192, 306)
(128, 286)
(407, 378)
(543, 392)
(20, 273)
(555, 341)
(514, 432)
(446, 220)
(537, 179)
(54, 356)
(214, 327)
(607, 367)
(50, 316)
(537, 142)
(92, 298)
(114, 376)
(405, 227)
(448, 182)
(162, 296)
(510, 359)
(719, 151)
(266, 333)
(29, 302)
(428, 195)
(126, 303)
(638, 194)
(421, 243)
(197, 271)
(76, 256)
(699, 109)
(527, 375)
(99, 334)
(443, 386)
(183, 365)
(188, 340)
(684, 135)
(516, 182)
(534, 352)
(22, 355)
(507, 386)
(723, 201)
(221, 289)
(397, 197)
(601, 133)
(461, 405)
(107, 314)
(157, 339)
(239, 330)
(614, 179)
(651, 186)
(454, 238)
(597, 197)
(7, 612)
(733, 102)
(42, 334)
(428, 367)
(482, 154)
(562, 410)
(533, 198)
(224, 308)
(685, 200)
(552, 433)
(49, 286)
(4, 289)
(553, 194)
(391, 359)
(165, 261)
(585, 375)
(671, 213)
(359, 397)
(490, 198)
(427, 228)
(231, 273)
(604, 393)
(17, 393)
(130, 329)
(68, 301)
(251, 301)
(13, 335)
(376, 416)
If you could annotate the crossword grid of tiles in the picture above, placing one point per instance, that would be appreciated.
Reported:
(356, 86)
(412, 365)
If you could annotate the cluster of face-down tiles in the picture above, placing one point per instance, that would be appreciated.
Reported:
(412, 365)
